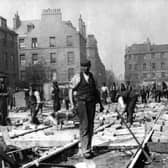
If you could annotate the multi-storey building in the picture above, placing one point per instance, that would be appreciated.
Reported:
(8, 53)
(97, 67)
(146, 63)
(52, 41)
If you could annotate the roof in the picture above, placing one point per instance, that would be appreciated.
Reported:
(22, 30)
(146, 48)
(23, 27)
(7, 30)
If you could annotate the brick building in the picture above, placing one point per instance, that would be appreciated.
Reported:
(146, 63)
(8, 53)
(52, 41)
(97, 67)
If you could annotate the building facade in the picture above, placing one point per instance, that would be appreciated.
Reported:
(53, 42)
(8, 53)
(146, 63)
(97, 67)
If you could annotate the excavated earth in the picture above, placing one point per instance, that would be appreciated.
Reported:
(114, 146)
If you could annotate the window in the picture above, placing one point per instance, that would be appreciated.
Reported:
(144, 66)
(71, 58)
(161, 55)
(129, 57)
(12, 59)
(53, 75)
(153, 65)
(69, 41)
(21, 43)
(34, 58)
(34, 43)
(144, 75)
(52, 42)
(22, 75)
(153, 75)
(70, 73)
(30, 27)
(22, 59)
(129, 66)
(163, 74)
(136, 67)
(6, 60)
(145, 56)
(162, 65)
(153, 55)
(52, 58)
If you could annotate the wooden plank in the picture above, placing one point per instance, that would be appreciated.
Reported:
(158, 147)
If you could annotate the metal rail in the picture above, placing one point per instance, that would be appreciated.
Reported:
(139, 151)
(59, 150)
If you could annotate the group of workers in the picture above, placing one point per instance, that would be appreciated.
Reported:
(83, 96)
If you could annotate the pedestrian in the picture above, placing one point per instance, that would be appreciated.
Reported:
(33, 106)
(66, 97)
(113, 92)
(158, 93)
(87, 95)
(26, 92)
(56, 98)
(3, 102)
(127, 99)
(143, 95)
(42, 99)
(104, 93)
(10, 98)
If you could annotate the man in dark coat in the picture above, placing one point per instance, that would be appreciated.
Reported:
(3, 103)
(83, 84)
(33, 107)
(56, 97)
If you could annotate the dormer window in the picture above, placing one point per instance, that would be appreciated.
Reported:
(30, 27)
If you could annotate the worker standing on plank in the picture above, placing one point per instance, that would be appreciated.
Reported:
(83, 84)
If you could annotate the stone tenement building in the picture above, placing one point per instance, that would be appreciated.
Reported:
(146, 63)
(52, 41)
(8, 53)
(97, 67)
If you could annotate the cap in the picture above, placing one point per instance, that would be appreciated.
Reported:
(86, 63)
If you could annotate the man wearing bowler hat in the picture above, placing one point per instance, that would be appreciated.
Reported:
(87, 95)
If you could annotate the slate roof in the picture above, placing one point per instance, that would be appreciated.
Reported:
(147, 48)
(22, 30)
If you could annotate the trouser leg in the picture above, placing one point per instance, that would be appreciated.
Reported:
(34, 114)
(86, 112)
(130, 111)
(91, 115)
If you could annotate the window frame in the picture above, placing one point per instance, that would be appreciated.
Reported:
(53, 60)
(70, 58)
(33, 60)
(52, 41)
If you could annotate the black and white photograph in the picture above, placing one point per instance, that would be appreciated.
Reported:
(83, 84)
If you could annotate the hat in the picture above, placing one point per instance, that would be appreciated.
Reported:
(86, 63)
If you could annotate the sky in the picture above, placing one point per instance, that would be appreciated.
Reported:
(115, 23)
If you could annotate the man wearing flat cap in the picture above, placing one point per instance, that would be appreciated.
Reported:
(87, 95)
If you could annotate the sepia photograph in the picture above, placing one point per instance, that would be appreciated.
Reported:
(83, 84)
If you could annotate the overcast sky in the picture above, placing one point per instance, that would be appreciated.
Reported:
(115, 23)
